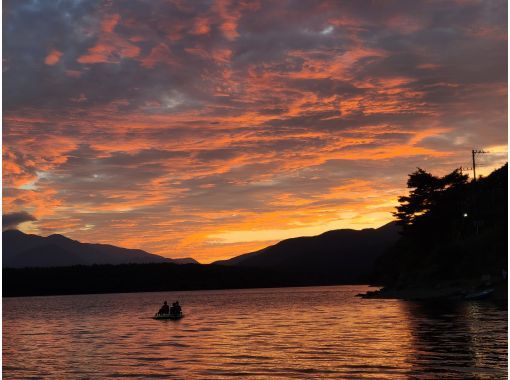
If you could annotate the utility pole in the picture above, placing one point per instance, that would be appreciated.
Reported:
(476, 221)
(474, 152)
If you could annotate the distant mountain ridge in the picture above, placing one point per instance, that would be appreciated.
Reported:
(34, 265)
(343, 255)
(26, 250)
(338, 256)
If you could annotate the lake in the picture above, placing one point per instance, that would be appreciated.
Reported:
(313, 332)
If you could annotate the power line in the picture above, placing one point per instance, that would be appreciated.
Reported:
(462, 170)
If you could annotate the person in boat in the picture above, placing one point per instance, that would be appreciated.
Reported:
(165, 309)
(176, 308)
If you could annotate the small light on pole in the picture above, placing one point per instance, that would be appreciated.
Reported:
(465, 215)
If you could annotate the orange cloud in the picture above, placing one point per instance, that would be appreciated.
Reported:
(110, 22)
(201, 26)
(230, 14)
(110, 47)
(109, 50)
(53, 57)
(159, 54)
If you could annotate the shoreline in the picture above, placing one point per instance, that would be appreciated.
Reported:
(204, 289)
(492, 292)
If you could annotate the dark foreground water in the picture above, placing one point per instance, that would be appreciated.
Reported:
(319, 332)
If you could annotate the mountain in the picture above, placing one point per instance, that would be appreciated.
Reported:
(185, 260)
(24, 250)
(340, 255)
(335, 257)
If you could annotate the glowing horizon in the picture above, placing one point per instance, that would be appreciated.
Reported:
(213, 129)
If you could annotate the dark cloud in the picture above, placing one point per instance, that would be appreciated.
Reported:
(11, 220)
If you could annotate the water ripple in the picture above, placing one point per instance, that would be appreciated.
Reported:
(289, 333)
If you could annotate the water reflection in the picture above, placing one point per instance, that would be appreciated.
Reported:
(458, 340)
(323, 332)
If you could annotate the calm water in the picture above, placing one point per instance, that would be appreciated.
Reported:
(321, 332)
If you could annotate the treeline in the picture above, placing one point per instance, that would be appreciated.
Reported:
(454, 232)
(92, 279)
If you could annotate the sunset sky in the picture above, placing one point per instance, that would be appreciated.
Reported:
(214, 128)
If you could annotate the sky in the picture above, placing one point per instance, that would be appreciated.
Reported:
(215, 128)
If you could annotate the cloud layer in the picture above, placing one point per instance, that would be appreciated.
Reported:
(211, 128)
(12, 220)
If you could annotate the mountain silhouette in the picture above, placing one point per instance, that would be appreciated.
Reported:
(345, 255)
(26, 250)
(44, 266)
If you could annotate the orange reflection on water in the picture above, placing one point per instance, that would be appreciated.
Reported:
(316, 332)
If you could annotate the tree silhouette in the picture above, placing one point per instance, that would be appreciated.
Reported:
(429, 200)
(454, 231)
